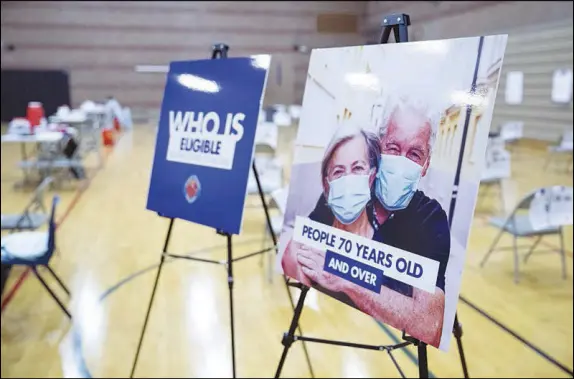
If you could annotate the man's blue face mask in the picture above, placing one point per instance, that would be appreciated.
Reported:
(348, 196)
(396, 182)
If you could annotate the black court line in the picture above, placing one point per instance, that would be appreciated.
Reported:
(518, 337)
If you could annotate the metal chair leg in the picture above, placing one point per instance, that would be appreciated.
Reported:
(563, 254)
(58, 280)
(51, 292)
(491, 248)
(501, 194)
(261, 258)
(515, 248)
(531, 250)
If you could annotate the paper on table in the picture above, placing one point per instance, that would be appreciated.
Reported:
(562, 86)
(514, 86)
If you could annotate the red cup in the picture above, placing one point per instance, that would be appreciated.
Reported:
(34, 114)
(108, 137)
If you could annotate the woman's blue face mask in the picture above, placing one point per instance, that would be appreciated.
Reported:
(397, 181)
(348, 196)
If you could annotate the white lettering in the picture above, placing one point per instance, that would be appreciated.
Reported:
(210, 123)
(175, 120)
(401, 265)
(342, 267)
(200, 138)
(214, 118)
(238, 126)
(228, 120)
(194, 125)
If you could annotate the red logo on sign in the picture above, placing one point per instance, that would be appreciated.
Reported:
(192, 189)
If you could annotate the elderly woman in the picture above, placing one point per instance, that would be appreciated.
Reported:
(348, 172)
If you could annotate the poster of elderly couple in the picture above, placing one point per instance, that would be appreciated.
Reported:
(370, 197)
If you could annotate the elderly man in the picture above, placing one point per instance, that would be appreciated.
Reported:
(403, 217)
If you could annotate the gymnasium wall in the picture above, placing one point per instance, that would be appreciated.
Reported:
(539, 42)
(99, 42)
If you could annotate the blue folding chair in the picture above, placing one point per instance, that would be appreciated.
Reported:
(33, 216)
(518, 225)
(33, 249)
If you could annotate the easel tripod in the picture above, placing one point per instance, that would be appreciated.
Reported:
(398, 24)
(219, 51)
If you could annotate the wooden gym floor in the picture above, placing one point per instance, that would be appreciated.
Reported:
(106, 237)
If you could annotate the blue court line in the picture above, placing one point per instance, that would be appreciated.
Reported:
(77, 338)
(77, 353)
(129, 278)
(409, 353)
(77, 343)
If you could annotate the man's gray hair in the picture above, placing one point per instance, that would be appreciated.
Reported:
(346, 133)
(410, 105)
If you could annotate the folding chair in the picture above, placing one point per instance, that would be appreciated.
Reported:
(511, 132)
(527, 220)
(63, 161)
(279, 202)
(266, 137)
(564, 147)
(295, 111)
(497, 168)
(270, 170)
(282, 117)
(33, 216)
(33, 249)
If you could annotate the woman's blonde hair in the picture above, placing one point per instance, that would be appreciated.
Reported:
(345, 133)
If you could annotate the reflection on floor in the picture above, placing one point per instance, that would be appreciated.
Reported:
(108, 236)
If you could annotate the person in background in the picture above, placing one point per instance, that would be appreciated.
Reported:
(403, 217)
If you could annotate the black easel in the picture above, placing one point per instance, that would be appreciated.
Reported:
(219, 51)
(457, 328)
(398, 24)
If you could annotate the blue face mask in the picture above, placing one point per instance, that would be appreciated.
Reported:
(348, 196)
(397, 180)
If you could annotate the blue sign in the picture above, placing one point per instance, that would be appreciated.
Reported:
(356, 272)
(205, 139)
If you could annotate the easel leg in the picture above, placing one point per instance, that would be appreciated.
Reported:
(267, 217)
(491, 249)
(165, 246)
(423, 362)
(230, 282)
(289, 337)
(264, 203)
(457, 331)
(515, 251)
(274, 238)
